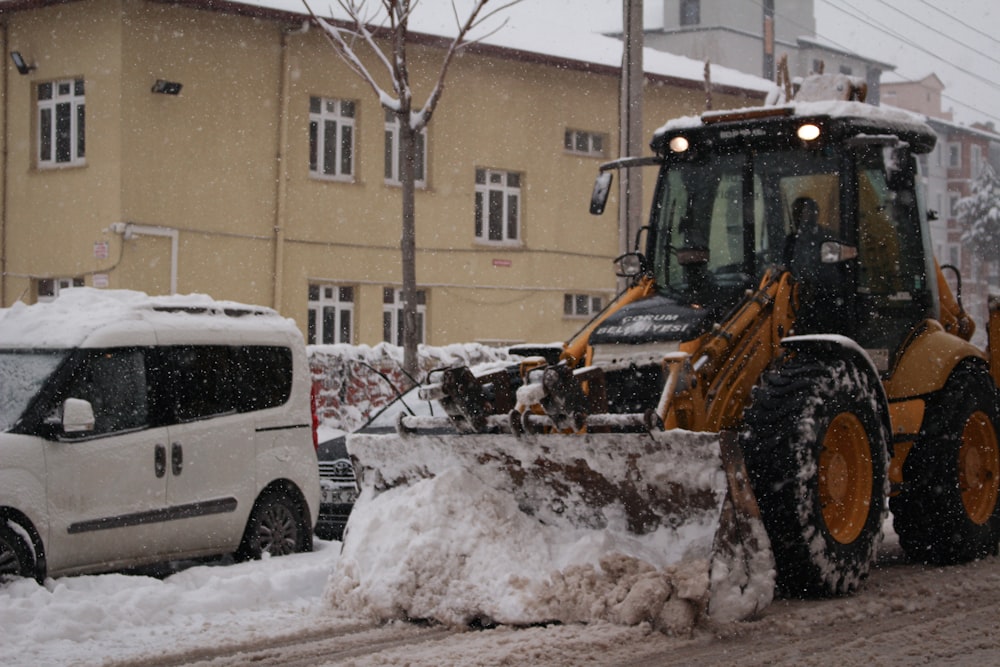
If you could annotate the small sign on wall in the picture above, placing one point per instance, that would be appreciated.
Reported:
(100, 280)
(502, 263)
(100, 249)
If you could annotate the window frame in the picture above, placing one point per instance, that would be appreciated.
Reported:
(573, 137)
(339, 298)
(392, 316)
(690, 13)
(344, 116)
(485, 187)
(582, 305)
(392, 153)
(47, 140)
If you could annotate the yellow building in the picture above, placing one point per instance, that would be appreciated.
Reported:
(220, 148)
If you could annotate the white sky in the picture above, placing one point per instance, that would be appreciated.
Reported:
(959, 40)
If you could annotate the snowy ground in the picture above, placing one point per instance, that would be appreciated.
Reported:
(275, 612)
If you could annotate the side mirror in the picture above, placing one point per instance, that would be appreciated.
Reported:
(77, 415)
(602, 188)
(630, 265)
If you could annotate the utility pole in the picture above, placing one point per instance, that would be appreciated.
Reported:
(630, 121)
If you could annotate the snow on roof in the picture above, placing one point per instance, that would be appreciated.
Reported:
(555, 28)
(78, 312)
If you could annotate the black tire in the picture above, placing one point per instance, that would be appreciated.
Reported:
(815, 441)
(947, 510)
(16, 558)
(278, 525)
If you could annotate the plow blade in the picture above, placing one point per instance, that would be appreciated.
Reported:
(654, 527)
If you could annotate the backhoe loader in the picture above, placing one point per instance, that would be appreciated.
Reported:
(786, 325)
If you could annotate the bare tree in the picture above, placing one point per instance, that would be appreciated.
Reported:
(379, 30)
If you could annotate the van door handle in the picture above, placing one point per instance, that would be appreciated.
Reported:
(176, 458)
(160, 460)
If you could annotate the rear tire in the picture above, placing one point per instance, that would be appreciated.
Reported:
(15, 556)
(947, 510)
(815, 442)
(277, 526)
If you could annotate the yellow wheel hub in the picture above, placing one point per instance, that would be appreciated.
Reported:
(845, 478)
(979, 468)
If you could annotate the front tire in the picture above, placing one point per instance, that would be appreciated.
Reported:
(15, 556)
(815, 440)
(277, 526)
(947, 510)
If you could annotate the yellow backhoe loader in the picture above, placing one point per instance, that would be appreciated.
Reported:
(787, 327)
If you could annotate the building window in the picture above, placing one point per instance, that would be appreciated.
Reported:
(584, 143)
(581, 305)
(975, 160)
(331, 138)
(392, 315)
(393, 153)
(954, 155)
(61, 124)
(49, 288)
(331, 314)
(953, 198)
(846, 69)
(690, 12)
(498, 206)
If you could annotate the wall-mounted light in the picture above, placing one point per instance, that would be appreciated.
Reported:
(20, 63)
(167, 87)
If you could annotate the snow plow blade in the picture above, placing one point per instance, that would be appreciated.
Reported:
(662, 526)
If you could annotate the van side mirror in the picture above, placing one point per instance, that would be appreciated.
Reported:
(77, 415)
(602, 187)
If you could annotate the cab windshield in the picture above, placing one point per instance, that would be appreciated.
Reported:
(22, 375)
(720, 221)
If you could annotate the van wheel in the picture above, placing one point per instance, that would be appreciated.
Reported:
(15, 556)
(948, 510)
(276, 527)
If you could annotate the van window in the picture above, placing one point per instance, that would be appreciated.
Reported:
(22, 375)
(194, 382)
(114, 381)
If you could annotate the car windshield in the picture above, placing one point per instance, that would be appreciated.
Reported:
(22, 374)
(408, 403)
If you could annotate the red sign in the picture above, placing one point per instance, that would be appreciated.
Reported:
(505, 263)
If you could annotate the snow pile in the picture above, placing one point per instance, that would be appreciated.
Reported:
(482, 532)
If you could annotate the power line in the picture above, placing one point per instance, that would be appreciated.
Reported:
(869, 21)
(961, 22)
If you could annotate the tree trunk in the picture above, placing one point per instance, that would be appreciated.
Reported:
(407, 174)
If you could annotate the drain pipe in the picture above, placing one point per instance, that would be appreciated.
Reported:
(5, 166)
(129, 230)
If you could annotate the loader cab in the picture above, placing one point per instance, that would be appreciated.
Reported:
(832, 199)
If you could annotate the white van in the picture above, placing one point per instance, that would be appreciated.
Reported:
(137, 429)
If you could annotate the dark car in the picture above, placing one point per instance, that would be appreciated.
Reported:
(336, 473)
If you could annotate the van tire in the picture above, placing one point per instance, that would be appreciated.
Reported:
(276, 526)
(15, 556)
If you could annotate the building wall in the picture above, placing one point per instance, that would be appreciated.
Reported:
(222, 169)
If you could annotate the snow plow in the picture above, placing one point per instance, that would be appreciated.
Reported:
(787, 362)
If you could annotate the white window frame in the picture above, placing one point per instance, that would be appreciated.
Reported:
(392, 316)
(338, 115)
(507, 185)
(393, 153)
(975, 160)
(954, 159)
(64, 95)
(336, 302)
(953, 198)
(582, 305)
(581, 142)
(48, 289)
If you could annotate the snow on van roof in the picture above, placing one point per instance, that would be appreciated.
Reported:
(833, 108)
(77, 312)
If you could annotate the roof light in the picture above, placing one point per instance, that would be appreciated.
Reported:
(808, 132)
(679, 144)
